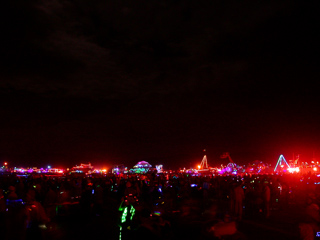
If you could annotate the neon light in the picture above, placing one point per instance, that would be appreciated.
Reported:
(204, 163)
(280, 162)
(120, 233)
(132, 212)
(157, 213)
(124, 215)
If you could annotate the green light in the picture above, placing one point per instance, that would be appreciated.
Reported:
(157, 213)
(120, 233)
(132, 212)
(124, 215)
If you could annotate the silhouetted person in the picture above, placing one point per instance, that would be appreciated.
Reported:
(86, 200)
(147, 229)
(239, 197)
(50, 202)
(12, 193)
(266, 199)
(15, 219)
(310, 225)
(37, 218)
(2, 212)
(98, 200)
(126, 219)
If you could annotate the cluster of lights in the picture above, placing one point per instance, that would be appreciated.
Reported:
(37, 170)
(284, 166)
(143, 167)
(5, 165)
(51, 170)
(100, 171)
(293, 170)
(124, 216)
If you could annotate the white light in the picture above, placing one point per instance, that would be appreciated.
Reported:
(292, 170)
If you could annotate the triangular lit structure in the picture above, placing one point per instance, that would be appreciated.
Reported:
(281, 161)
(204, 163)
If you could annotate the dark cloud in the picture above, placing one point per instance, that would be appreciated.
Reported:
(122, 47)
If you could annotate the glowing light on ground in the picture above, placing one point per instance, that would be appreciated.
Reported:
(293, 170)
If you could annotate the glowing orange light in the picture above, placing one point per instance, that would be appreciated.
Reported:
(199, 166)
(315, 169)
(5, 163)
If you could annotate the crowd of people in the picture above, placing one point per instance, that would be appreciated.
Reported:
(158, 206)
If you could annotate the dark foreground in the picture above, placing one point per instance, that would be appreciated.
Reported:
(282, 224)
(168, 207)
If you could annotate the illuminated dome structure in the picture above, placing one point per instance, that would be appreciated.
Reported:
(143, 164)
(142, 167)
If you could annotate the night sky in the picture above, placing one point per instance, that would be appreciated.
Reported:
(112, 82)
